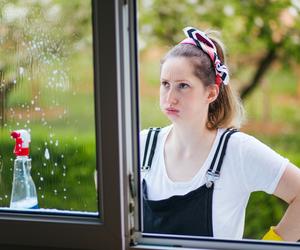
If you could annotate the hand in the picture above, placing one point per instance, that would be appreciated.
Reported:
(272, 235)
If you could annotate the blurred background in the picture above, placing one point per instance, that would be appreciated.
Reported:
(262, 39)
(46, 87)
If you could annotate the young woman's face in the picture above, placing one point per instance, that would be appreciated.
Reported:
(183, 96)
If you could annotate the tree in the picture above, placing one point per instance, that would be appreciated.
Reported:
(35, 33)
(257, 33)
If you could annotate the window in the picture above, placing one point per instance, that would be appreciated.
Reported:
(99, 112)
(47, 90)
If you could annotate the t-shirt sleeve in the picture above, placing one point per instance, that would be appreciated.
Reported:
(262, 166)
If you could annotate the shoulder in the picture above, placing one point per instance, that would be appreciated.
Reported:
(143, 135)
(163, 131)
(246, 146)
(242, 139)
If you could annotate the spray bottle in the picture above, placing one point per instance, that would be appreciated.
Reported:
(24, 194)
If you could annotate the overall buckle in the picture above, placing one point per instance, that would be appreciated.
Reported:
(211, 177)
(145, 168)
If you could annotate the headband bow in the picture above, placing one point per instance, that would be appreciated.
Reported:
(202, 41)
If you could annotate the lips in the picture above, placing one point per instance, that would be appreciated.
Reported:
(172, 111)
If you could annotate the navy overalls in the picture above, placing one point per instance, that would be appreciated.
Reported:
(189, 214)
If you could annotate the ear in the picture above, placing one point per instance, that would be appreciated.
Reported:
(212, 92)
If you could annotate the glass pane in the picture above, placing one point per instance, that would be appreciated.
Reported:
(46, 76)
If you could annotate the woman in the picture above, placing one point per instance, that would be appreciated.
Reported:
(199, 172)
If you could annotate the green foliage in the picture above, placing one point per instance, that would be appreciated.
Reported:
(249, 28)
(262, 212)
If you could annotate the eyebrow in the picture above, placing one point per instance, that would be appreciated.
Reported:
(162, 79)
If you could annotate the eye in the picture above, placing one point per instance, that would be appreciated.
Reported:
(183, 85)
(165, 84)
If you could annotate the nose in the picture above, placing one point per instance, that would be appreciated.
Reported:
(172, 97)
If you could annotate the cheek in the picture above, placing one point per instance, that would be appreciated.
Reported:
(162, 94)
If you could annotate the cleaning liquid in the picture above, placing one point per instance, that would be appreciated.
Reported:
(24, 194)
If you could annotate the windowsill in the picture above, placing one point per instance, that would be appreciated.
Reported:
(50, 211)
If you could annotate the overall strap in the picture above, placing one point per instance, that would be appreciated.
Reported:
(149, 154)
(213, 173)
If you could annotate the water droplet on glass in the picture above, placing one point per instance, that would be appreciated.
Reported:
(21, 70)
(47, 154)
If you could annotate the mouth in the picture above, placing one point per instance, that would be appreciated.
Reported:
(172, 111)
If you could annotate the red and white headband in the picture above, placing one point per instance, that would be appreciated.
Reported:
(202, 41)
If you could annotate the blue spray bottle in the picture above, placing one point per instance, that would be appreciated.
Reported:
(23, 194)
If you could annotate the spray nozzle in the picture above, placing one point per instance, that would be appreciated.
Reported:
(22, 138)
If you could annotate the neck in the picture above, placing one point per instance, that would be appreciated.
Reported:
(188, 139)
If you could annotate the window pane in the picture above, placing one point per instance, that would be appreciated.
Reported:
(46, 74)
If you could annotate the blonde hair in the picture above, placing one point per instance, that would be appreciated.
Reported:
(227, 110)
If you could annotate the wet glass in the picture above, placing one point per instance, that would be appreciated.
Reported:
(46, 88)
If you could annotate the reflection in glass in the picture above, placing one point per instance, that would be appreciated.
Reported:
(46, 88)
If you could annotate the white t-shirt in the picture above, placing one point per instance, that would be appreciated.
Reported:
(248, 166)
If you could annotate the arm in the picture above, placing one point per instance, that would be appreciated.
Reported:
(288, 189)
